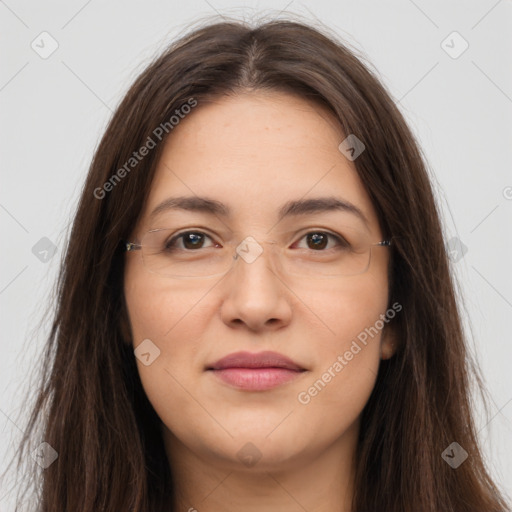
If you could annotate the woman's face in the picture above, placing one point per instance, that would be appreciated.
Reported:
(254, 154)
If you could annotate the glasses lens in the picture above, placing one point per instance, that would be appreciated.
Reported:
(347, 261)
(186, 254)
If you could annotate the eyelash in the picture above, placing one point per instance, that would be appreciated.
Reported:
(169, 244)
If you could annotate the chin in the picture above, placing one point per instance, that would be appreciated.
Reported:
(255, 450)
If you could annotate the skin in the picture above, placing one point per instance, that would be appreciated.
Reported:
(253, 152)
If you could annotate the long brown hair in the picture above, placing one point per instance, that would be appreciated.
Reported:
(91, 404)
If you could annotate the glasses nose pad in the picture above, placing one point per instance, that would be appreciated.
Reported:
(276, 257)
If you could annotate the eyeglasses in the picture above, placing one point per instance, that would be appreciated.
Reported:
(184, 254)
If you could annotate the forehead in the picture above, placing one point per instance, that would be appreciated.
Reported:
(254, 152)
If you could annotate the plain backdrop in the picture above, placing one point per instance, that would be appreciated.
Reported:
(446, 64)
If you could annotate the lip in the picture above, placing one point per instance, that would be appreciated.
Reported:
(256, 372)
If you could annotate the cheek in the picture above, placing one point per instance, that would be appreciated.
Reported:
(174, 318)
(158, 309)
(348, 353)
(350, 309)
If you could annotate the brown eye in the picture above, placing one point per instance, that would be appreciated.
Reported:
(193, 240)
(317, 240)
(320, 240)
(190, 240)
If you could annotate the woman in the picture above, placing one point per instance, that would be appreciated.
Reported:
(255, 307)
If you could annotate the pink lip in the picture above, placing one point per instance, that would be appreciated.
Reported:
(256, 372)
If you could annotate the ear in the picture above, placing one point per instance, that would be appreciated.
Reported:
(388, 341)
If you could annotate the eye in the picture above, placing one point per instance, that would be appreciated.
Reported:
(189, 240)
(319, 240)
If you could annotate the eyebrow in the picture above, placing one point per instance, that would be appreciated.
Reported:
(289, 209)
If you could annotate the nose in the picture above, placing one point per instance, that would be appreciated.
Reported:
(255, 295)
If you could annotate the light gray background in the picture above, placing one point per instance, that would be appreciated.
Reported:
(54, 111)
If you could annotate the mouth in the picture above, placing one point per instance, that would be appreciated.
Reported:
(256, 372)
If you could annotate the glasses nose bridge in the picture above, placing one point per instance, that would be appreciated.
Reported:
(250, 250)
